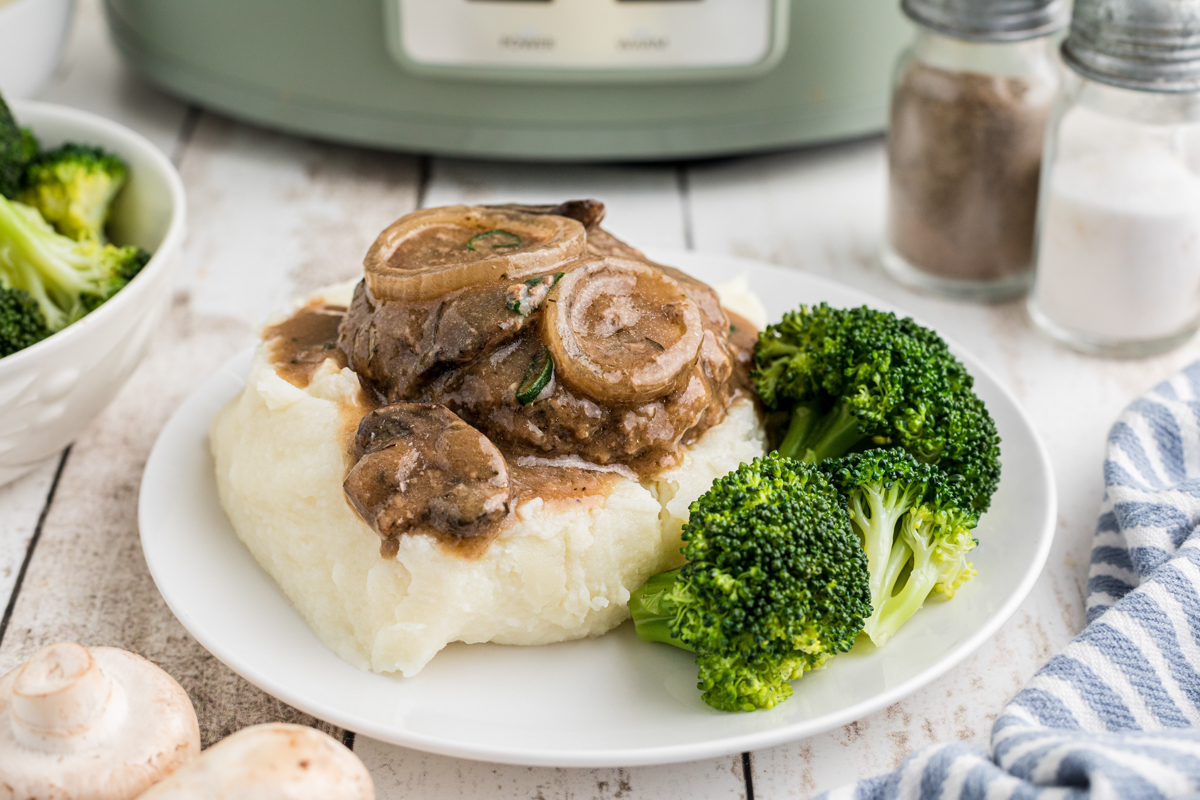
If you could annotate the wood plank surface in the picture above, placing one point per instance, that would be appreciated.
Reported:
(644, 203)
(273, 217)
(92, 77)
(22, 505)
(401, 774)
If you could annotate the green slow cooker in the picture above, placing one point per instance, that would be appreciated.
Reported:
(529, 79)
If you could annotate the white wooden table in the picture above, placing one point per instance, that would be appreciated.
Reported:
(273, 216)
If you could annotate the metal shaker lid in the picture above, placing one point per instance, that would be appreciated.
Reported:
(1149, 45)
(989, 20)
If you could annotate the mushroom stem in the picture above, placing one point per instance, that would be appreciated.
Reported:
(62, 700)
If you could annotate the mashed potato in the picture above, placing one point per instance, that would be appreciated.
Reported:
(562, 569)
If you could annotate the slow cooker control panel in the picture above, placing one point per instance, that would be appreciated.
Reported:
(618, 36)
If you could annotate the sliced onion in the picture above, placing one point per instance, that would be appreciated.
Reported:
(621, 331)
(589, 212)
(428, 253)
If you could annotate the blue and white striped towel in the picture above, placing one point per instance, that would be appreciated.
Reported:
(1116, 714)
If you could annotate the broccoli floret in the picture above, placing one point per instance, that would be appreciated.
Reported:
(73, 186)
(843, 380)
(17, 148)
(775, 584)
(66, 279)
(916, 526)
(21, 321)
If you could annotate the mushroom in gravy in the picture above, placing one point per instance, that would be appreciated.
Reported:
(420, 466)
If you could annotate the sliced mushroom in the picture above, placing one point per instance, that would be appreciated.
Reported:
(271, 762)
(97, 723)
(420, 466)
(621, 331)
(428, 253)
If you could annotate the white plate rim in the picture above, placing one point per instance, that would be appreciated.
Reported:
(644, 756)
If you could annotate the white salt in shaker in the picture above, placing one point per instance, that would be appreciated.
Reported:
(1118, 243)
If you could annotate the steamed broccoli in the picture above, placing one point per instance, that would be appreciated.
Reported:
(73, 186)
(775, 583)
(66, 279)
(843, 380)
(17, 149)
(21, 321)
(915, 523)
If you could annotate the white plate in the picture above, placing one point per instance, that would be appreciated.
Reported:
(611, 701)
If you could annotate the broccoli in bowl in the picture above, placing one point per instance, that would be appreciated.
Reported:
(56, 264)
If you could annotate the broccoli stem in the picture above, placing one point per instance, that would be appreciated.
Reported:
(804, 417)
(876, 525)
(63, 274)
(658, 630)
(899, 556)
(887, 617)
(812, 438)
(653, 611)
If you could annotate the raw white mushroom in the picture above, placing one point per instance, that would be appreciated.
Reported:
(270, 762)
(99, 723)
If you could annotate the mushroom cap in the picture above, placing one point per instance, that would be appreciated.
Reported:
(94, 723)
(270, 762)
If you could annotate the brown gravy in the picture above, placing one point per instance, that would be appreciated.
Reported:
(301, 343)
(466, 353)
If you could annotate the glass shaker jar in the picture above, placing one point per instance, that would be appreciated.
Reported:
(970, 103)
(1118, 254)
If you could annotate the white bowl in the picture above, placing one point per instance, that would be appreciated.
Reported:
(32, 33)
(50, 392)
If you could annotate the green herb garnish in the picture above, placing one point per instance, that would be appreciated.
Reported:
(497, 239)
(540, 371)
(526, 297)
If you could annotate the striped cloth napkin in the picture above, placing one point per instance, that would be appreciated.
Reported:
(1115, 714)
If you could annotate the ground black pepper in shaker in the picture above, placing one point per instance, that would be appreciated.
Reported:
(969, 111)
